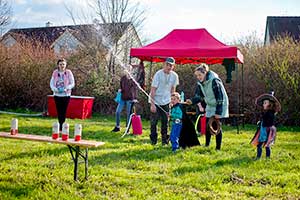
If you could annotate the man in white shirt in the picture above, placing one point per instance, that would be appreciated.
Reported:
(163, 85)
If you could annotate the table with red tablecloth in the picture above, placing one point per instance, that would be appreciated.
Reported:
(80, 107)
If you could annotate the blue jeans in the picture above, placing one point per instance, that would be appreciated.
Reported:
(259, 150)
(129, 104)
(175, 133)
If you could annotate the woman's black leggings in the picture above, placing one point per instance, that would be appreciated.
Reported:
(61, 108)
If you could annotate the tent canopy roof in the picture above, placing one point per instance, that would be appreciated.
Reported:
(188, 46)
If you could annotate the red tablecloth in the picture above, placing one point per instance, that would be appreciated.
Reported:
(79, 107)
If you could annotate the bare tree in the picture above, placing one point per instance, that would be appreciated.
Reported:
(5, 13)
(111, 19)
(115, 13)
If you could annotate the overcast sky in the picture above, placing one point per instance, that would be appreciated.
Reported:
(227, 20)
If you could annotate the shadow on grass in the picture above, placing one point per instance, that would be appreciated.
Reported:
(32, 154)
(137, 155)
(15, 192)
(236, 162)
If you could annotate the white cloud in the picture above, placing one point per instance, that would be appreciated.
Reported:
(19, 2)
(223, 24)
(147, 2)
(221, 18)
(48, 2)
(38, 12)
(61, 2)
(28, 11)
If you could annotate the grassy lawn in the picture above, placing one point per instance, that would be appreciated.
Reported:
(131, 168)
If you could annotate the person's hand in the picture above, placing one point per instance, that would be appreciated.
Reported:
(188, 101)
(218, 116)
(168, 116)
(61, 90)
(201, 109)
(153, 108)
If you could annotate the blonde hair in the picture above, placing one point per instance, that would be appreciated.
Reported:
(203, 68)
(176, 94)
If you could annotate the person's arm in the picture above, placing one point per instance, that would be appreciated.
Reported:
(52, 85)
(152, 95)
(198, 97)
(71, 81)
(217, 90)
(133, 90)
(122, 82)
(154, 85)
(173, 88)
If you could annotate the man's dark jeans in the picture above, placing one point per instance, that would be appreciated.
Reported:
(154, 117)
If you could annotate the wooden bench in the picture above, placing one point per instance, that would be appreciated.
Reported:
(74, 147)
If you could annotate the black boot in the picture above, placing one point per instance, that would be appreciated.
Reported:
(116, 129)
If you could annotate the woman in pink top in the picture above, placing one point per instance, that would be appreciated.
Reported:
(62, 82)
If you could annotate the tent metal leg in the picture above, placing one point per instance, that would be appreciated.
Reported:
(243, 95)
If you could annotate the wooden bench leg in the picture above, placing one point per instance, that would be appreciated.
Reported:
(75, 159)
(86, 163)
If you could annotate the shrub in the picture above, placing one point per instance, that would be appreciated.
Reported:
(25, 74)
(277, 66)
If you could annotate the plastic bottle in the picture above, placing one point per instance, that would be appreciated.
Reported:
(55, 130)
(65, 131)
(14, 126)
(77, 132)
(182, 97)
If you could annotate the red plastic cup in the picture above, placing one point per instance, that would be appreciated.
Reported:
(77, 137)
(55, 136)
(64, 137)
(14, 127)
(13, 131)
(65, 131)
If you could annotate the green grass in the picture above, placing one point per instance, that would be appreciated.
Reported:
(131, 168)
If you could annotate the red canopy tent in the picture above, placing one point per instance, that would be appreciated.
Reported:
(188, 46)
(193, 46)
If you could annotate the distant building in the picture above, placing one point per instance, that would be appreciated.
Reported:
(70, 38)
(282, 26)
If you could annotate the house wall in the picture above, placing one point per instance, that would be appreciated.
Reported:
(128, 40)
(267, 38)
(66, 43)
(9, 41)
